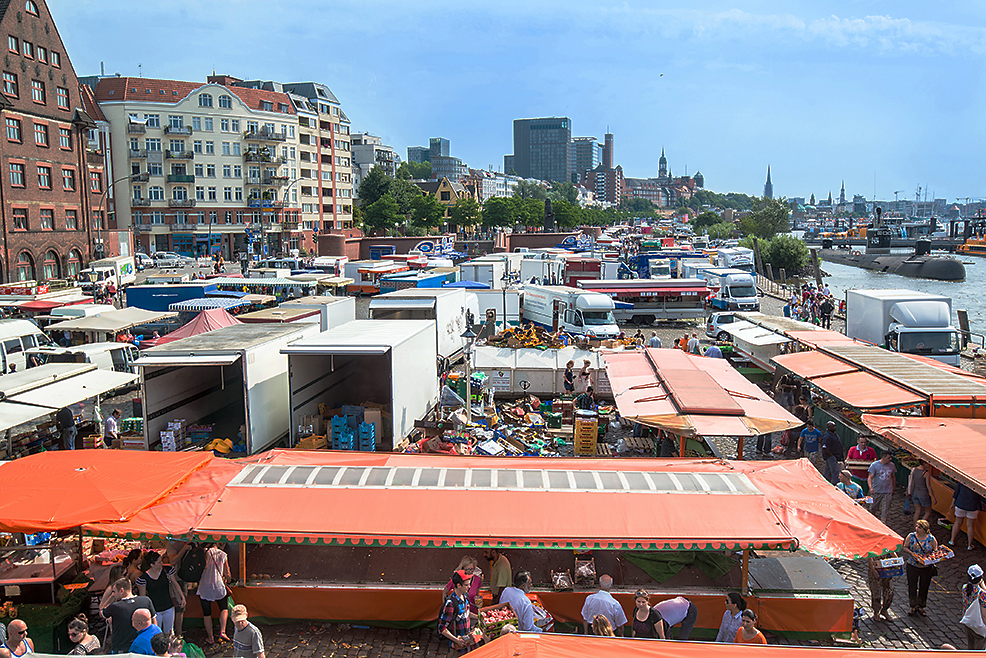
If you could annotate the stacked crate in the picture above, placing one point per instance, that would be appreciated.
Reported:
(367, 437)
(586, 433)
(343, 437)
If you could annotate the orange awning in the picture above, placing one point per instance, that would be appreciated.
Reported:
(820, 337)
(954, 445)
(66, 489)
(846, 382)
(691, 395)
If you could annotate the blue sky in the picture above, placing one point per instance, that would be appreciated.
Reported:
(886, 95)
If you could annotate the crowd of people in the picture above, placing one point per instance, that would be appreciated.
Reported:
(812, 304)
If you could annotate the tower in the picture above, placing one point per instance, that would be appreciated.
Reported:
(842, 194)
(608, 152)
(768, 187)
(662, 166)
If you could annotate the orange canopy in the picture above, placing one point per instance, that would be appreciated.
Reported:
(406, 500)
(954, 445)
(66, 489)
(691, 395)
(554, 645)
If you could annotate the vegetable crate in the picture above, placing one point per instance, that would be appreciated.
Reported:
(495, 617)
(942, 553)
(890, 567)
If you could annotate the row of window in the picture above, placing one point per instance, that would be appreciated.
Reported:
(181, 217)
(24, 269)
(177, 122)
(15, 134)
(205, 100)
(46, 220)
(18, 177)
(38, 91)
(29, 50)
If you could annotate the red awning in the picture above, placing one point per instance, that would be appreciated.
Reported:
(48, 304)
(66, 489)
(954, 445)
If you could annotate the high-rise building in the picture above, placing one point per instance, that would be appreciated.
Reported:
(543, 149)
(369, 151)
(447, 166)
(418, 154)
(608, 151)
(768, 187)
(588, 155)
(438, 146)
(51, 161)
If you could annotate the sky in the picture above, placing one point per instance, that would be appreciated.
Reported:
(887, 96)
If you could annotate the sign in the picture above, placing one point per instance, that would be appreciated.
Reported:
(425, 246)
(499, 380)
(24, 290)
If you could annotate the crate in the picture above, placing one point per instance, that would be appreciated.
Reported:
(92, 441)
(367, 437)
(586, 435)
(493, 629)
(553, 419)
(943, 553)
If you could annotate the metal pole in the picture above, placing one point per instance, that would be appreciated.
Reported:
(468, 385)
(745, 577)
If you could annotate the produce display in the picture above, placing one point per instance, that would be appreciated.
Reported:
(939, 554)
(495, 617)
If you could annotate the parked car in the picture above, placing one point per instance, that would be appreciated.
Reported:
(714, 328)
(143, 261)
(163, 259)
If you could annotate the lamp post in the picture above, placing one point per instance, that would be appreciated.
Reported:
(133, 178)
(469, 335)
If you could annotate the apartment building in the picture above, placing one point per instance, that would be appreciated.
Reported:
(222, 167)
(50, 183)
(369, 151)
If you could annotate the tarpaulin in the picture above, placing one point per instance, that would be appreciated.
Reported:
(691, 395)
(207, 320)
(66, 489)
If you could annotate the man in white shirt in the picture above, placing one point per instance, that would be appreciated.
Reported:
(603, 603)
(693, 344)
(516, 596)
(111, 430)
(654, 340)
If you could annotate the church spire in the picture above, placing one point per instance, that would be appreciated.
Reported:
(842, 193)
(768, 188)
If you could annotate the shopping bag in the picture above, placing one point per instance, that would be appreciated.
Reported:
(973, 618)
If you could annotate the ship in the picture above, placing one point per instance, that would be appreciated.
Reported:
(921, 264)
(974, 246)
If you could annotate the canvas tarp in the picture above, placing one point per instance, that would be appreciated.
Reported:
(111, 321)
(208, 320)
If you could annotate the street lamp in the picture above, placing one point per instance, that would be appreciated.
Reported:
(133, 178)
(469, 335)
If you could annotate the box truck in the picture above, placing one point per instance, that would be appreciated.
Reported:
(453, 309)
(736, 290)
(737, 258)
(904, 321)
(576, 311)
(333, 311)
(491, 272)
(121, 270)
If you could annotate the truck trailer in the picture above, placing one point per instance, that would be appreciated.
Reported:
(904, 321)
(575, 310)
(453, 309)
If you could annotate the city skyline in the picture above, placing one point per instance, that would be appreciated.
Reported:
(883, 96)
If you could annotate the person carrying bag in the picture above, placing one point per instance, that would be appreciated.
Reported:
(973, 600)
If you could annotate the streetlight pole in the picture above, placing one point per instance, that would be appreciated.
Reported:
(469, 335)
(134, 178)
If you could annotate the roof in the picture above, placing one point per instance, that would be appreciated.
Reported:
(208, 320)
(691, 395)
(403, 499)
(954, 445)
(279, 314)
(89, 103)
(111, 321)
(233, 337)
(150, 90)
(206, 303)
(370, 334)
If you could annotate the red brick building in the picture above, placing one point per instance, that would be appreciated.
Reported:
(50, 183)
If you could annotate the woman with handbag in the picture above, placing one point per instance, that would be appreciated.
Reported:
(212, 587)
(917, 544)
(157, 584)
(974, 604)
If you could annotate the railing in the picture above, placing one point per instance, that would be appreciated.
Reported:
(94, 157)
(181, 178)
(179, 155)
(181, 130)
(181, 203)
(253, 156)
(251, 180)
(264, 136)
(133, 128)
(275, 180)
(138, 153)
(140, 202)
(291, 226)
(143, 227)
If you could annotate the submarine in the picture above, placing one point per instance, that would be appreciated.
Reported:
(922, 264)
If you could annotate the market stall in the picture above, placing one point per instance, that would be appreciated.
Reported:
(279, 287)
(106, 325)
(208, 320)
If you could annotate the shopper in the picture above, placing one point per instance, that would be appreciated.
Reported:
(882, 474)
(146, 629)
(18, 643)
(112, 427)
(654, 341)
(920, 491)
(455, 620)
(881, 589)
(603, 603)
(66, 427)
(693, 344)
(861, 452)
(469, 566)
(974, 592)
(809, 444)
(602, 627)
(832, 453)
(118, 605)
(585, 400)
(212, 587)
(516, 596)
(570, 377)
(917, 544)
(248, 642)
(848, 487)
(78, 632)
(585, 376)
(155, 582)
(966, 504)
(732, 618)
(678, 611)
(500, 574)
(647, 621)
(748, 633)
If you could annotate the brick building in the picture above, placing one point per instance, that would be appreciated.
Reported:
(52, 178)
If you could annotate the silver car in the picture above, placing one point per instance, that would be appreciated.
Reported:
(714, 328)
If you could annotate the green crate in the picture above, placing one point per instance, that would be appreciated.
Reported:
(553, 419)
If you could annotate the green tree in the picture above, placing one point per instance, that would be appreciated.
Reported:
(414, 170)
(404, 192)
(465, 212)
(707, 218)
(721, 231)
(426, 211)
(768, 218)
(373, 186)
(567, 215)
(498, 211)
(526, 189)
(382, 214)
(637, 205)
(785, 251)
(529, 212)
(564, 192)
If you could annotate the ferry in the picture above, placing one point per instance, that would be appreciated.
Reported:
(974, 246)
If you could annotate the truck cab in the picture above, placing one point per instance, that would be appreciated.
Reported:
(574, 310)
(904, 321)
(737, 290)
(593, 317)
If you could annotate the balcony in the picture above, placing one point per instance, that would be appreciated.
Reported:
(291, 226)
(179, 155)
(138, 153)
(140, 202)
(275, 180)
(263, 135)
(136, 128)
(251, 180)
(181, 203)
(94, 157)
(142, 227)
(181, 178)
(182, 130)
(254, 156)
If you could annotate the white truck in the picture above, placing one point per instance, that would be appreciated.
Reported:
(736, 290)
(542, 267)
(453, 309)
(491, 272)
(904, 321)
(120, 269)
(737, 258)
(576, 311)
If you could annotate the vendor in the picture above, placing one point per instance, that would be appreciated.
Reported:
(585, 400)
(516, 596)
(112, 427)
(500, 571)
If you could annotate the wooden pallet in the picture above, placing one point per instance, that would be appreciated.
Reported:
(640, 443)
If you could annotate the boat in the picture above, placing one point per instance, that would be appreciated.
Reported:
(973, 246)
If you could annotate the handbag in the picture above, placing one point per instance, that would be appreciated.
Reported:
(973, 617)
(177, 593)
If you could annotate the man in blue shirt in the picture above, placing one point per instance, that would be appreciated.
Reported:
(810, 444)
(145, 631)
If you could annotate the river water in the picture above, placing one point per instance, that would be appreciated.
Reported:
(969, 295)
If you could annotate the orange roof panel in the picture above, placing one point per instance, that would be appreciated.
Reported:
(809, 365)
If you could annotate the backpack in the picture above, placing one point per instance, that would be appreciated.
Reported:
(192, 565)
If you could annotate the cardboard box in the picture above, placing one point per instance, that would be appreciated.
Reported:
(374, 416)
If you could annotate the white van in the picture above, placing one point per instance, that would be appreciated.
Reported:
(106, 356)
(16, 337)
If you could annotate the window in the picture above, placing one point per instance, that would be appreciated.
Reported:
(157, 217)
(225, 148)
(72, 220)
(179, 193)
(74, 262)
(47, 219)
(270, 128)
(97, 220)
(56, 59)
(155, 169)
(252, 126)
(155, 193)
(27, 48)
(175, 121)
(200, 193)
(227, 171)
(42, 55)
(199, 170)
(14, 130)
(12, 44)
(152, 120)
(44, 177)
(234, 125)
(25, 267)
(31, 7)
(10, 83)
(95, 181)
(237, 171)
(236, 148)
(38, 91)
(20, 219)
(51, 267)
(224, 125)
(227, 194)
(208, 123)
(267, 106)
(212, 194)
(205, 100)
(210, 148)
(282, 107)
(196, 123)
(239, 193)
(225, 101)
(197, 146)
(137, 192)
(152, 144)
(177, 145)
(41, 134)
(68, 180)
(210, 171)
(65, 138)
(17, 174)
